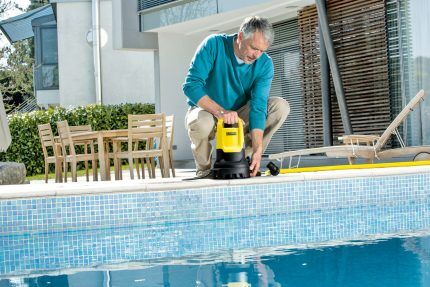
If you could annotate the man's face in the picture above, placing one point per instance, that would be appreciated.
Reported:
(250, 49)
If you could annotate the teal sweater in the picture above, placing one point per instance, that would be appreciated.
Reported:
(214, 71)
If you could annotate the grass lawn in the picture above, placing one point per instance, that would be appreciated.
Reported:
(81, 172)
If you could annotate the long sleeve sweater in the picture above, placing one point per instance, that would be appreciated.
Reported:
(215, 71)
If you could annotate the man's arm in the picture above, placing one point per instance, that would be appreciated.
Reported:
(257, 150)
(200, 67)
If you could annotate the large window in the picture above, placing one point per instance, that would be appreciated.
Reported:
(409, 42)
(49, 45)
(46, 67)
(420, 22)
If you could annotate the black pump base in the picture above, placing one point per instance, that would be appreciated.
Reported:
(230, 165)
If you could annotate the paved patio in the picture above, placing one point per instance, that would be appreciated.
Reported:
(40, 189)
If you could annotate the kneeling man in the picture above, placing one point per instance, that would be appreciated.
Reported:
(229, 78)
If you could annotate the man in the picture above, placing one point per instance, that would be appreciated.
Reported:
(229, 78)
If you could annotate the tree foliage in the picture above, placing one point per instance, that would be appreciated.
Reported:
(16, 72)
(37, 3)
(5, 5)
(16, 64)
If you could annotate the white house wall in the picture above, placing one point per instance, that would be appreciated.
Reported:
(127, 75)
(76, 74)
(175, 54)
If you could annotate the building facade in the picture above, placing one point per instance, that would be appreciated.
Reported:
(391, 33)
(127, 75)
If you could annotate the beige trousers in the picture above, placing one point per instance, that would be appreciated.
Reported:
(201, 130)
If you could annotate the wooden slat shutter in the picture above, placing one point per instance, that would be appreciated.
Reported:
(358, 31)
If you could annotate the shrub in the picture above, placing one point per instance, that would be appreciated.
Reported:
(26, 148)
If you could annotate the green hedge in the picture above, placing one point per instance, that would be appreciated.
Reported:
(26, 146)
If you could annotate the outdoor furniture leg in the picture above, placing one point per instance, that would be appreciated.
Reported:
(102, 158)
(137, 167)
(149, 166)
(130, 165)
(65, 169)
(137, 160)
(107, 162)
(116, 161)
(74, 172)
(171, 162)
(152, 160)
(94, 163)
(144, 165)
(165, 159)
(46, 171)
(57, 178)
(59, 165)
(161, 162)
(86, 163)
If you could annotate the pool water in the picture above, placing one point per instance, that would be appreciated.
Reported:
(396, 261)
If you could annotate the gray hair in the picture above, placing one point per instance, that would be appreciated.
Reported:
(257, 24)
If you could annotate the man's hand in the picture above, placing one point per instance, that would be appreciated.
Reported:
(229, 117)
(255, 163)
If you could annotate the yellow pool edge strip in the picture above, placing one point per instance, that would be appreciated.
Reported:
(352, 167)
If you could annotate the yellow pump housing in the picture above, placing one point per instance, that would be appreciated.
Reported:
(229, 139)
(230, 160)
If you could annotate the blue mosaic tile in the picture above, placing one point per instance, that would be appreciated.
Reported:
(89, 230)
(110, 210)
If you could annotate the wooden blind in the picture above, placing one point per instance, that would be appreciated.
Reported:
(359, 35)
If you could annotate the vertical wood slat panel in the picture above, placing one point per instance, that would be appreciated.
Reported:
(358, 31)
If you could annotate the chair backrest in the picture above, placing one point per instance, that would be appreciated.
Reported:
(148, 126)
(66, 140)
(169, 130)
(47, 139)
(78, 129)
(399, 119)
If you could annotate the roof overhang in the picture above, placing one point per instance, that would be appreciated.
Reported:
(183, 19)
(19, 27)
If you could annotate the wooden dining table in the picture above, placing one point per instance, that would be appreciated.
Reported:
(101, 137)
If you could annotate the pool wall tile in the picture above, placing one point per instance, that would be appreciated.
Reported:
(34, 215)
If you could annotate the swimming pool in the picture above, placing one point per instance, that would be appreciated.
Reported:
(378, 263)
(113, 226)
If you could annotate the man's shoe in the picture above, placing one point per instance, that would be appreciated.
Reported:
(206, 174)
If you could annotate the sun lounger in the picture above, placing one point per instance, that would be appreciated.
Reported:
(366, 147)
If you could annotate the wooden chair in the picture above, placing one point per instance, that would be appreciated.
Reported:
(84, 143)
(69, 152)
(149, 161)
(169, 134)
(143, 128)
(47, 140)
